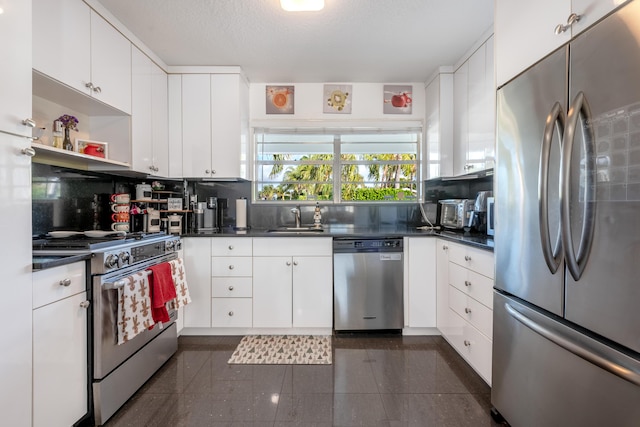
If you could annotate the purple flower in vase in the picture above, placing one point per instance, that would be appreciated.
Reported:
(69, 122)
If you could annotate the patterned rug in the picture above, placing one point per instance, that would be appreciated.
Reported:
(283, 350)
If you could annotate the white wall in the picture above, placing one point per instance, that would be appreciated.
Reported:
(367, 103)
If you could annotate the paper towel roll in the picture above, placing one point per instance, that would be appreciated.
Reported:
(241, 213)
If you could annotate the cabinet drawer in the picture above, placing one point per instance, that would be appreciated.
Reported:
(472, 258)
(475, 285)
(231, 246)
(293, 246)
(475, 348)
(231, 312)
(472, 311)
(227, 266)
(231, 287)
(56, 283)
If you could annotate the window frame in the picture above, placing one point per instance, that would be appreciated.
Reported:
(414, 128)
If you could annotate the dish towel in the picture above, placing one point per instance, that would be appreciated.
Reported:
(134, 307)
(180, 281)
(162, 291)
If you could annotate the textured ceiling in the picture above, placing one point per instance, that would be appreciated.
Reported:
(348, 41)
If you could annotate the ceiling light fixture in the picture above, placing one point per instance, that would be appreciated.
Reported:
(302, 5)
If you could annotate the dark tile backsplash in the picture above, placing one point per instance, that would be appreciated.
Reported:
(67, 199)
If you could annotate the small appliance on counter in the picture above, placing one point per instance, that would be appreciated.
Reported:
(455, 213)
(206, 216)
(478, 217)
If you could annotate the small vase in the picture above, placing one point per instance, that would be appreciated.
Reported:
(66, 144)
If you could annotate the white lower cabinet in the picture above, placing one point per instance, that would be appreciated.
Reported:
(465, 302)
(60, 345)
(420, 282)
(293, 282)
(197, 264)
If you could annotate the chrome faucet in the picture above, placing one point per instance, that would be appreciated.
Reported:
(296, 212)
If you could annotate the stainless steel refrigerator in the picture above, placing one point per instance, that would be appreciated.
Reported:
(566, 341)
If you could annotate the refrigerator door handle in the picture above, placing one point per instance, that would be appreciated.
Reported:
(552, 255)
(576, 262)
(590, 350)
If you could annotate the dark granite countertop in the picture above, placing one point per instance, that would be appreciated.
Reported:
(338, 231)
(42, 262)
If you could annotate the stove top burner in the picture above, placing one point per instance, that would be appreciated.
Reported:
(91, 243)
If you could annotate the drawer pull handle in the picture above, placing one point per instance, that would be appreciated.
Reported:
(230, 288)
(231, 313)
(231, 267)
(65, 282)
(467, 343)
(467, 310)
(230, 247)
(85, 304)
(467, 258)
(467, 283)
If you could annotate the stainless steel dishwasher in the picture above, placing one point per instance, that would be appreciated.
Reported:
(367, 284)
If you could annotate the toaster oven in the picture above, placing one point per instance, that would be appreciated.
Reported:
(454, 213)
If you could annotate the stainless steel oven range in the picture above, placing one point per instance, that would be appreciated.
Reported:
(118, 371)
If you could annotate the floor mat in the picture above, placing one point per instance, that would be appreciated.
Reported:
(283, 350)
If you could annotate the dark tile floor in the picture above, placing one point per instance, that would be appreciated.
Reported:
(375, 380)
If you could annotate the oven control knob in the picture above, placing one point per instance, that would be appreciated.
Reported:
(124, 258)
(111, 261)
(170, 246)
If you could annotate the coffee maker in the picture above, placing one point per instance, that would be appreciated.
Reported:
(478, 217)
(206, 214)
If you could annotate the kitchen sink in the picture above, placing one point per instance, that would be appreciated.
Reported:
(295, 230)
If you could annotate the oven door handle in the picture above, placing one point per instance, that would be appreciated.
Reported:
(119, 284)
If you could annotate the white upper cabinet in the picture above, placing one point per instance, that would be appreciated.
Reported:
(215, 126)
(75, 46)
(110, 65)
(196, 125)
(474, 112)
(439, 126)
(62, 41)
(149, 121)
(526, 31)
(460, 118)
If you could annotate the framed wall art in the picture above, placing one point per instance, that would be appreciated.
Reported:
(280, 99)
(337, 99)
(397, 99)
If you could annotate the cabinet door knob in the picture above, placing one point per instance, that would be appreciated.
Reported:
(467, 283)
(572, 19)
(445, 247)
(65, 282)
(28, 151)
(230, 247)
(89, 85)
(231, 267)
(295, 262)
(467, 310)
(213, 172)
(85, 304)
(230, 288)
(30, 123)
(288, 262)
(467, 343)
(467, 258)
(207, 171)
(231, 313)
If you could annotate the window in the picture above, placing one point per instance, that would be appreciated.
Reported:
(345, 165)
